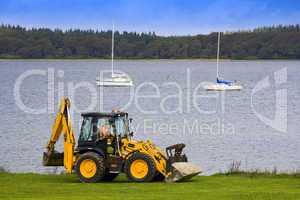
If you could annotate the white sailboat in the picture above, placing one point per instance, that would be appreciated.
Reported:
(116, 79)
(221, 84)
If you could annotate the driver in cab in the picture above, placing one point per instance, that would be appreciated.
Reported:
(105, 135)
(104, 132)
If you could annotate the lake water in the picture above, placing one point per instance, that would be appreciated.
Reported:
(167, 105)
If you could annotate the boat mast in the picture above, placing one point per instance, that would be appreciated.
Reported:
(112, 50)
(218, 53)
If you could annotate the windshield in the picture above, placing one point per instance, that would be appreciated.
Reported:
(91, 127)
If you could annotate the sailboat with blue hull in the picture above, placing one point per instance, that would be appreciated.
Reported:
(221, 84)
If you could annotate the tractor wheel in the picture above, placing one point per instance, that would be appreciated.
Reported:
(140, 168)
(109, 176)
(90, 167)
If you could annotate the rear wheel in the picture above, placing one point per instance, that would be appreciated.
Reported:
(140, 168)
(90, 167)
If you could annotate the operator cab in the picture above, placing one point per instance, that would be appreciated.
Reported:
(102, 132)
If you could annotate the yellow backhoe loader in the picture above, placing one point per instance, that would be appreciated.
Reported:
(106, 148)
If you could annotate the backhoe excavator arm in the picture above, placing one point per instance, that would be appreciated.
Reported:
(61, 125)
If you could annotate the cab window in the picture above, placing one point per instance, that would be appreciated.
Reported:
(121, 126)
(85, 133)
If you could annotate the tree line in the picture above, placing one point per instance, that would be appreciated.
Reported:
(274, 42)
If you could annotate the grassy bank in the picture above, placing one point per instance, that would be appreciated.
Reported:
(33, 186)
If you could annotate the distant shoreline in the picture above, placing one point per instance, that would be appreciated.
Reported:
(275, 42)
(138, 59)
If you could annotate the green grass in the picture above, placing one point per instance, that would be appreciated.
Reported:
(33, 186)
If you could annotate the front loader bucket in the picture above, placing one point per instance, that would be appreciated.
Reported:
(182, 171)
(53, 159)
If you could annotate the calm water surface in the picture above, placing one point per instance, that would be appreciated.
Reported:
(217, 128)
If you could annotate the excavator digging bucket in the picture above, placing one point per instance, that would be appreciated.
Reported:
(53, 159)
(182, 171)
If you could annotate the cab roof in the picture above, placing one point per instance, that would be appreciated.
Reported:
(103, 114)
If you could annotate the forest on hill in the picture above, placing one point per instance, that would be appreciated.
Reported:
(275, 42)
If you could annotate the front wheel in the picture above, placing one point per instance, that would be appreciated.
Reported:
(140, 168)
(90, 167)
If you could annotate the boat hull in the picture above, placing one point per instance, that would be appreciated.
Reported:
(113, 84)
(222, 87)
(117, 80)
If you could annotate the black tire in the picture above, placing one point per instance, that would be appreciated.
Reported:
(148, 160)
(109, 176)
(100, 168)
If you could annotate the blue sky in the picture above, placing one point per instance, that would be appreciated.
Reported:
(165, 17)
